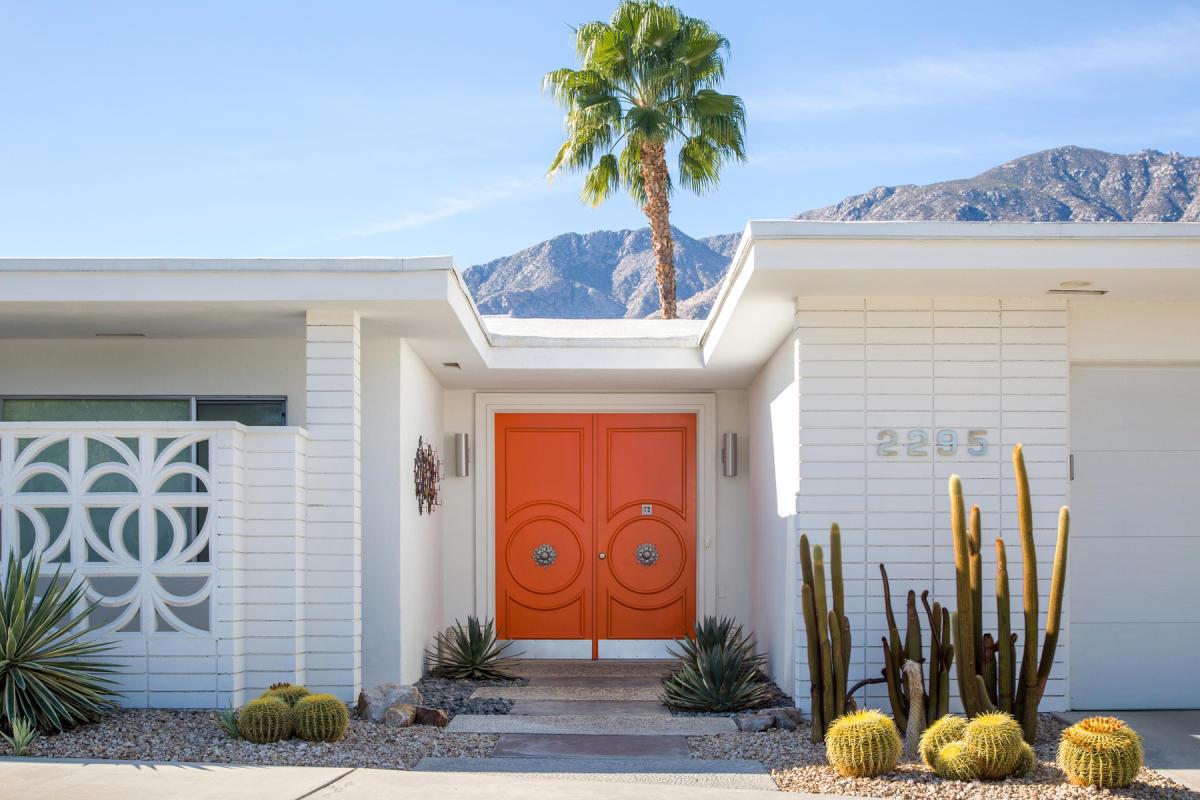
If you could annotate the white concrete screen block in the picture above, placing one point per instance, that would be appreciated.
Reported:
(895, 395)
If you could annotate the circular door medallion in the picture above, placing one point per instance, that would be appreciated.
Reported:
(544, 555)
(646, 555)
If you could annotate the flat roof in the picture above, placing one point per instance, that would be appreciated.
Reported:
(425, 300)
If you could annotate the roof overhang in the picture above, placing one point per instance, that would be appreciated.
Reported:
(425, 300)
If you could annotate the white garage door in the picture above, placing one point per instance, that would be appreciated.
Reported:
(1134, 579)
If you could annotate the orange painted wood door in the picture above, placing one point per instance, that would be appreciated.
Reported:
(545, 537)
(645, 525)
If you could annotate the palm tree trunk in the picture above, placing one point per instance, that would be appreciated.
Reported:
(658, 211)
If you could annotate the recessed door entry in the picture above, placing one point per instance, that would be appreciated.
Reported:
(595, 531)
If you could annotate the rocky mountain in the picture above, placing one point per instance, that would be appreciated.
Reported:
(611, 273)
(590, 275)
(1067, 184)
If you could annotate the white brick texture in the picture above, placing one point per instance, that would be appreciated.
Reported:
(895, 395)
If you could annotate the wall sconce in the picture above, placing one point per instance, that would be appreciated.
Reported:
(462, 455)
(729, 455)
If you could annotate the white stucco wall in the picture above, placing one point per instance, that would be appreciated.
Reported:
(157, 366)
(926, 365)
(772, 453)
(458, 511)
(420, 534)
(1105, 331)
(733, 531)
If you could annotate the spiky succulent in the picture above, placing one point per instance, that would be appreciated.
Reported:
(23, 734)
(265, 720)
(320, 718)
(994, 740)
(862, 744)
(227, 721)
(711, 633)
(47, 675)
(470, 652)
(1102, 752)
(953, 762)
(721, 678)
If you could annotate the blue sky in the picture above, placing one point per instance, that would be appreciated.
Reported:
(356, 128)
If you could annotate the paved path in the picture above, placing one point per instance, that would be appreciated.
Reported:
(1171, 740)
(44, 779)
(597, 720)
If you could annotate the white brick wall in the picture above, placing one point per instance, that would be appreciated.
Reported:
(333, 627)
(871, 367)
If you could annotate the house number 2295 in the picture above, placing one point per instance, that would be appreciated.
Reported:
(917, 442)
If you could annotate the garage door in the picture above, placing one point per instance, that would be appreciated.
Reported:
(1134, 579)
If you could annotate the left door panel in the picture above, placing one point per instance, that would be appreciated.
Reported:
(544, 526)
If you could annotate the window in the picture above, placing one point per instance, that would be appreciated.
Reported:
(266, 411)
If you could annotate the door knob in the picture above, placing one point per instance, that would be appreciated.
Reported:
(602, 556)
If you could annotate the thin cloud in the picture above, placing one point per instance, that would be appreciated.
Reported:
(934, 81)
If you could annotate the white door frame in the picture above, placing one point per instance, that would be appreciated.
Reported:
(702, 404)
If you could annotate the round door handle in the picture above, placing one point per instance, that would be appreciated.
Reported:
(602, 556)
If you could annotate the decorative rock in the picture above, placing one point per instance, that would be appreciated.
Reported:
(755, 723)
(373, 704)
(432, 716)
(400, 715)
(786, 719)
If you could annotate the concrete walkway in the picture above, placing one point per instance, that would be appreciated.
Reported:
(1171, 740)
(598, 720)
(43, 779)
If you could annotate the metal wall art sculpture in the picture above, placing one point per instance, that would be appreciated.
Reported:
(427, 475)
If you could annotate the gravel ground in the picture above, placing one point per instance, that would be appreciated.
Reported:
(455, 696)
(168, 735)
(797, 765)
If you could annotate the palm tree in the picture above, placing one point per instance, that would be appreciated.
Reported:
(645, 82)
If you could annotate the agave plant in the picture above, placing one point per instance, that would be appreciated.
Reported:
(718, 670)
(227, 721)
(23, 734)
(469, 652)
(47, 677)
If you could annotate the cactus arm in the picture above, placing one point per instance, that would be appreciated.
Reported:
(934, 615)
(893, 683)
(822, 616)
(964, 615)
(835, 570)
(1029, 659)
(981, 693)
(976, 542)
(1058, 581)
(912, 634)
(893, 653)
(814, 662)
(839, 664)
(846, 702)
(1004, 642)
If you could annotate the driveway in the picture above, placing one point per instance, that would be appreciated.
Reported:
(1171, 739)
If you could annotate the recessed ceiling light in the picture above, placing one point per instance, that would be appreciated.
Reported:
(1074, 284)
(1093, 292)
(121, 335)
(452, 365)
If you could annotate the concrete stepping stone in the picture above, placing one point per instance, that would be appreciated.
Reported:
(605, 667)
(557, 708)
(596, 681)
(615, 724)
(727, 774)
(533, 692)
(538, 745)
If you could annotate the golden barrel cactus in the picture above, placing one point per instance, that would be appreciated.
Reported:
(994, 740)
(1100, 751)
(953, 762)
(320, 718)
(267, 719)
(1028, 763)
(287, 692)
(949, 728)
(863, 744)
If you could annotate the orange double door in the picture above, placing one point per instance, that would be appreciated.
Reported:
(595, 527)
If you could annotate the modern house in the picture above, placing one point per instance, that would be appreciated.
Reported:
(224, 449)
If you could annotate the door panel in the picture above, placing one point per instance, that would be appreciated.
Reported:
(544, 529)
(646, 583)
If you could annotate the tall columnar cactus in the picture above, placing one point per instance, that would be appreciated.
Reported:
(320, 718)
(862, 744)
(1100, 751)
(827, 632)
(987, 666)
(941, 655)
